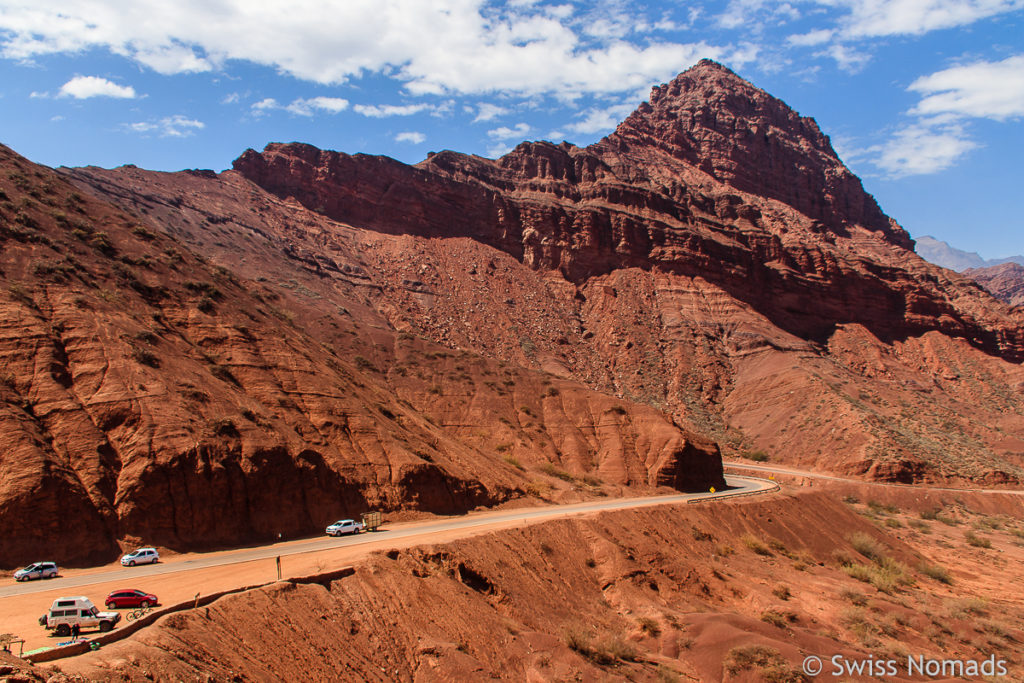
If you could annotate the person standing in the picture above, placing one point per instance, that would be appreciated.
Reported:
(76, 630)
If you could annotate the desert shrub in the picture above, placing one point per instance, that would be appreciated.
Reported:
(550, 470)
(145, 356)
(700, 534)
(513, 461)
(756, 545)
(100, 241)
(612, 649)
(960, 609)
(576, 637)
(855, 597)
(882, 508)
(866, 545)
(936, 572)
(782, 592)
(756, 456)
(551, 392)
(976, 541)
(649, 626)
(142, 233)
(777, 618)
(851, 500)
(936, 514)
(919, 525)
(591, 480)
(893, 523)
(767, 662)
(724, 550)
(886, 575)
(204, 288)
(538, 489)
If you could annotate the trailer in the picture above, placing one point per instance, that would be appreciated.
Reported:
(371, 520)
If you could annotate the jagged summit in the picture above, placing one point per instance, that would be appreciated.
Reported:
(715, 121)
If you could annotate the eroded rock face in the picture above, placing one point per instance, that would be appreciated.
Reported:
(151, 396)
(1005, 281)
(712, 179)
(197, 359)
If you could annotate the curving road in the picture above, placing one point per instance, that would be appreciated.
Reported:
(790, 471)
(418, 531)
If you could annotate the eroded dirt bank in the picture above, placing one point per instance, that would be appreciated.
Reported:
(737, 591)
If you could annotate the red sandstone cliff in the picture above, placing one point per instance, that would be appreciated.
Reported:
(199, 358)
(1005, 281)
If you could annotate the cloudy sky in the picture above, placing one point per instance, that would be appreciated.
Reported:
(924, 99)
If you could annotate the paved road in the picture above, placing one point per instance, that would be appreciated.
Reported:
(738, 485)
(775, 469)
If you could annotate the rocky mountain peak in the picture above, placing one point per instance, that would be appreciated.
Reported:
(711, 119)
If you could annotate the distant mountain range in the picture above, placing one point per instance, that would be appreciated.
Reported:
(942, 254)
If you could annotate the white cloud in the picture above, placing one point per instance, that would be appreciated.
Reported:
(301, 106)
(756, 15)
(601, 119)
(951, 97)
(231, 99)
(84, 87)
(382, 110)
(816, 37)
(263, 106)
(505, 133)
(847, 58)
(176, 126)
(488, 112)
(307, 107)
(993, 90)
(411, 136)
(499, 150)
(872, 18)
(921, 149)
(474, 46)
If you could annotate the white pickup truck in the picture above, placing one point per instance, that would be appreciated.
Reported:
(66, 612)
(344, 526)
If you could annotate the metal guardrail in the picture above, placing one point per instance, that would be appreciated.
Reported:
(725, 494)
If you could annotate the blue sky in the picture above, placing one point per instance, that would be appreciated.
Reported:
(924, 99)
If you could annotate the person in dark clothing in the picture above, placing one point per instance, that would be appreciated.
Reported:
(75, 631)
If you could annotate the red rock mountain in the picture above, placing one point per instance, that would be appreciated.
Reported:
(196, 358)
(1005, 281)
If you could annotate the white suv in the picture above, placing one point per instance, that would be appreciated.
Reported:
(344, 526)
(141, 556)
(66, 612)
(37, 570)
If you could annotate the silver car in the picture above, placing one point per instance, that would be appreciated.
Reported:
(37, 570)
